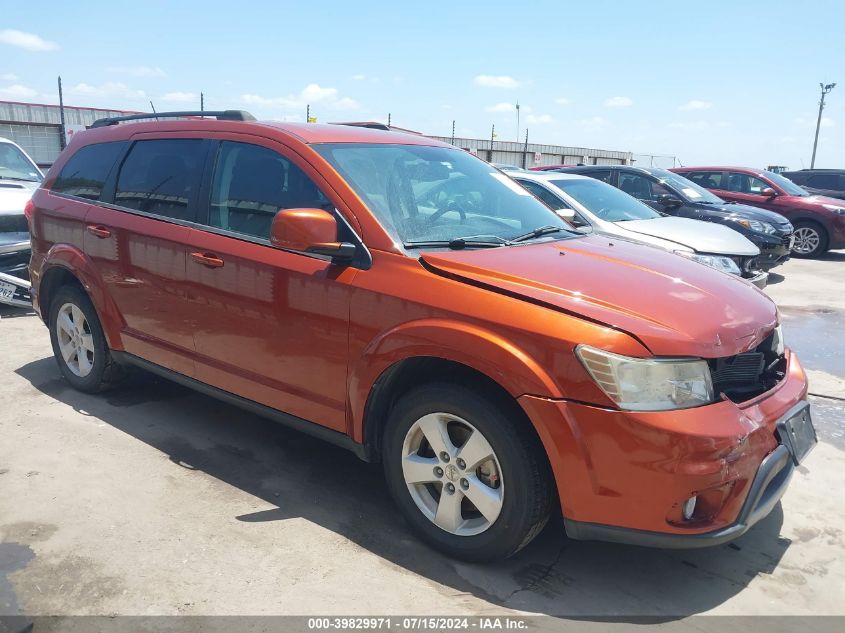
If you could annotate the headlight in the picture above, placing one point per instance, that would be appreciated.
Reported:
(719, 262)
(836, 209)
(756, 225)
(778, 342)
(648, 384)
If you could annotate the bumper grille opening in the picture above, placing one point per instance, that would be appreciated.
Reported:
(749, 374)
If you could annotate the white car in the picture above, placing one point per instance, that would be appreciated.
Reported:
(592, 205)
(19, 178)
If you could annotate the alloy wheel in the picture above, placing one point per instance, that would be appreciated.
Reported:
(76, 343)
(452, 474)
(807, 240)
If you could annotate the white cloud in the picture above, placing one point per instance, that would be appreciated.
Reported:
(810, 123)
(497, 81)
(137, 71)
(312, 94)
(359, 77)
(8, 77)
(562, 101)
(695, 104)
(181, 97)
(541, 118)
(501, 107)
(110, 90)
(618, 102)
(698, 125)
(593, 123)
(27, 41)
(16, 92)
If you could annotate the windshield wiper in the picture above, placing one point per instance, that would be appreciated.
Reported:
(538, 232)
(457, 243)
(16, 178)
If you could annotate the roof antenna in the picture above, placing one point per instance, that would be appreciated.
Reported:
(153, 107)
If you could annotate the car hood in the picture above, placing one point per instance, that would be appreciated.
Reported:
(672, 305)
(703, 237)
(14, 195)
(746, 211)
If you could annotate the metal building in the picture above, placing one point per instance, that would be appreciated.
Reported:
(37, 127)
(535, 154)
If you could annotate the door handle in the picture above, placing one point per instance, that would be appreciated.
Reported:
(99, 231)
(207, 259)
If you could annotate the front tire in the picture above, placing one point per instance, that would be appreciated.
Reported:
(810, 239)
(469, 476)
(79, 344)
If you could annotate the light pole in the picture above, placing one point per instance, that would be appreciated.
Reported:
(825, 89)
(517, 120)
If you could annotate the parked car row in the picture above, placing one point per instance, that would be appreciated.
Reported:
(403, 299)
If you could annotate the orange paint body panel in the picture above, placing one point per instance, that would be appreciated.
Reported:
(312, 338)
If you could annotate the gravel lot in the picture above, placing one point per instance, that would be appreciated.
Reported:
(156, 500)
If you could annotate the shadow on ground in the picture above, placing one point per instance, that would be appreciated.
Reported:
(303, 477)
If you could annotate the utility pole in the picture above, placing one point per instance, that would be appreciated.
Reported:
(453, 131)
(492, 136)
(517, 120)
(202, 102)
(825, 90)
(62, 115)
(525, 149)
(388, 119)
(308, 113)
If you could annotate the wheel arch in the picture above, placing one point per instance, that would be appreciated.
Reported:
(65, 264)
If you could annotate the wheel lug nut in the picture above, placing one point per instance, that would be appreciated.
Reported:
(461, 463)
(450, 488)
(444, 456)
(464, 484)
(438, 472)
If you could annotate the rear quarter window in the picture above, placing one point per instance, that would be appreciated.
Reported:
(85, 173)
(161, 176)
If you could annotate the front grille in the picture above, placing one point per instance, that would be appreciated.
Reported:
(749, 374)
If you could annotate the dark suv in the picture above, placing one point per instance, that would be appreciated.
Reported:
(819, 221)
(672, 194)
(824, 182)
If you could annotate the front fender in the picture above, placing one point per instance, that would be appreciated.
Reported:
(479, 348)
(78, 264)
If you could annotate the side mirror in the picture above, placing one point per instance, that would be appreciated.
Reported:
(309, 231)
(566, 214)
(668, 200)
(769, 192)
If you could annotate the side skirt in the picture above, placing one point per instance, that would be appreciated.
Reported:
(291, 421)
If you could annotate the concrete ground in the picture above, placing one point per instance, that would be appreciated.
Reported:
(156, 500)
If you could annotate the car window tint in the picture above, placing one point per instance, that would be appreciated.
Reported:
(636, 185)
(823, 181)
(252, 183)
(86, 171)
(706, 179)
(745, 183)
(158, 177)
(544, 194)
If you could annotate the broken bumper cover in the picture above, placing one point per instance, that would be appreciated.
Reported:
(769, 486)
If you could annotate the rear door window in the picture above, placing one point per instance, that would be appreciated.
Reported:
(824, 181)
(252, 183)
(85, 173)
(706, 179)
(161, 177)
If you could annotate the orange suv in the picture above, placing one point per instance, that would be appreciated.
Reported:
(403, 299)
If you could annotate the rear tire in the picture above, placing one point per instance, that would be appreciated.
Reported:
(811, 239)
(79, 344)
(490, 495)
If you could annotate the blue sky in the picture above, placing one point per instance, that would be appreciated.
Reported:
(710, 82)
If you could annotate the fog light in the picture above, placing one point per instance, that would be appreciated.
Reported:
(689, 508)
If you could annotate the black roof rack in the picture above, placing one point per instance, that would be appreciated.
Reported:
(373, 125)
(220, 115)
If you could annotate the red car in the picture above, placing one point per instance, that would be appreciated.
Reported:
(819, 221)
(405, 300)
